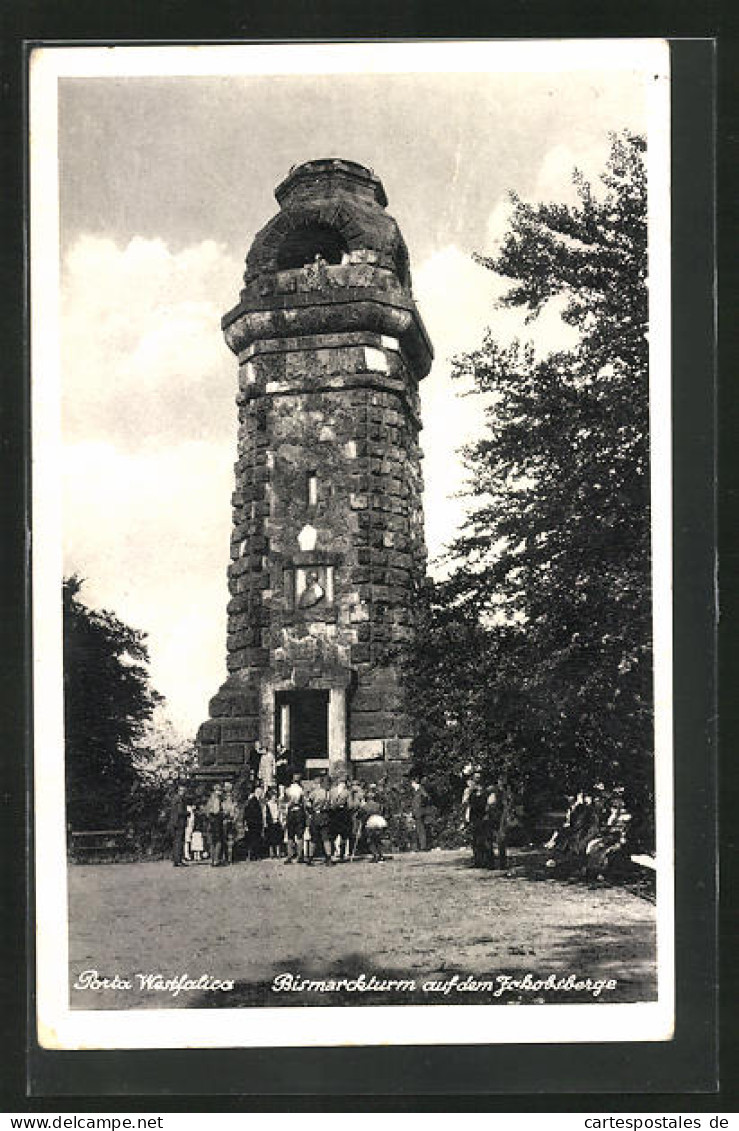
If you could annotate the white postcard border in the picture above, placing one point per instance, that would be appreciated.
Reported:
(59, 1027)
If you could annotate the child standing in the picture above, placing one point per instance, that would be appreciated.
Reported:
(274, 832)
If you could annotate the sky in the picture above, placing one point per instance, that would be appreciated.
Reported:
(164, 181)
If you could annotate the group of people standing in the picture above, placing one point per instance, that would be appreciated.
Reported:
(329, 819)
(488, 811)
(277, 814)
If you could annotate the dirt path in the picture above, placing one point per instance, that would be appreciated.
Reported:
(418, 917)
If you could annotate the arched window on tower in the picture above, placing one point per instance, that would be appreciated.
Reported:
(301, 246)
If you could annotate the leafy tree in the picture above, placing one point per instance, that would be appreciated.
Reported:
(553, 564)
(162, 759)
(107, 703)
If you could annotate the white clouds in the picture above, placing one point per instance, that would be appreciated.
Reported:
(149, 433)
(150, 533)
(456, 298)
(142, 357)
(497, 225)
(554, 181)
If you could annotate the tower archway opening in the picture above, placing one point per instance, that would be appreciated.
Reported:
(301, 246)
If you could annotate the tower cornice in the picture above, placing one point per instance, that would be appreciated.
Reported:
(334, 311)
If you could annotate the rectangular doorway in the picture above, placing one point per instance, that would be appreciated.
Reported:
(301, 724)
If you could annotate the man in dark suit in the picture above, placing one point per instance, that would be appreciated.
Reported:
(255, 757)
(254, 824)
(474, 801)
(420, 808)
(177, 825)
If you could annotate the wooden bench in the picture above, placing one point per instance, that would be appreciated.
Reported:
(98, 844)
(643, 860)
(646, 871)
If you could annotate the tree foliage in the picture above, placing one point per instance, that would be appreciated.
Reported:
(552, 577)
(162, 759)
(108, 702)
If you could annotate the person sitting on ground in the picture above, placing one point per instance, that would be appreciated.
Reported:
(580, 827)
(608, 851)
(560, 837)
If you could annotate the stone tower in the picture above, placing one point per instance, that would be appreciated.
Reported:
(327, 543)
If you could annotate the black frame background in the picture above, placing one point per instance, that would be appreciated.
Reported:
(630, 1076)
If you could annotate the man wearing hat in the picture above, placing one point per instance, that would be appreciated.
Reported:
(475, 801)
(177, 826)
(214, 817)
(420, 808)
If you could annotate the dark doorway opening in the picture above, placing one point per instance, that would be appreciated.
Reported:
(301, 724)
(303, 244)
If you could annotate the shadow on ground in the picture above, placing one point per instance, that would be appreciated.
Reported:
(581, 949)
(420, 925)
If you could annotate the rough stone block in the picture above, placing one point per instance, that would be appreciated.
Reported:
(232, 753)
(209, 732)
(246, 638)
(394, 772)
(365, 749)
(241, 730)
(371, 724)
(207, 755)
(405, 747)
(221, 703)
(371, 772)
(367, 699)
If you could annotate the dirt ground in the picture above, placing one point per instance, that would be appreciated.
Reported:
(418, 917)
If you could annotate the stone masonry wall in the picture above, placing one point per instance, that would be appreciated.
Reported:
(329, 361)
